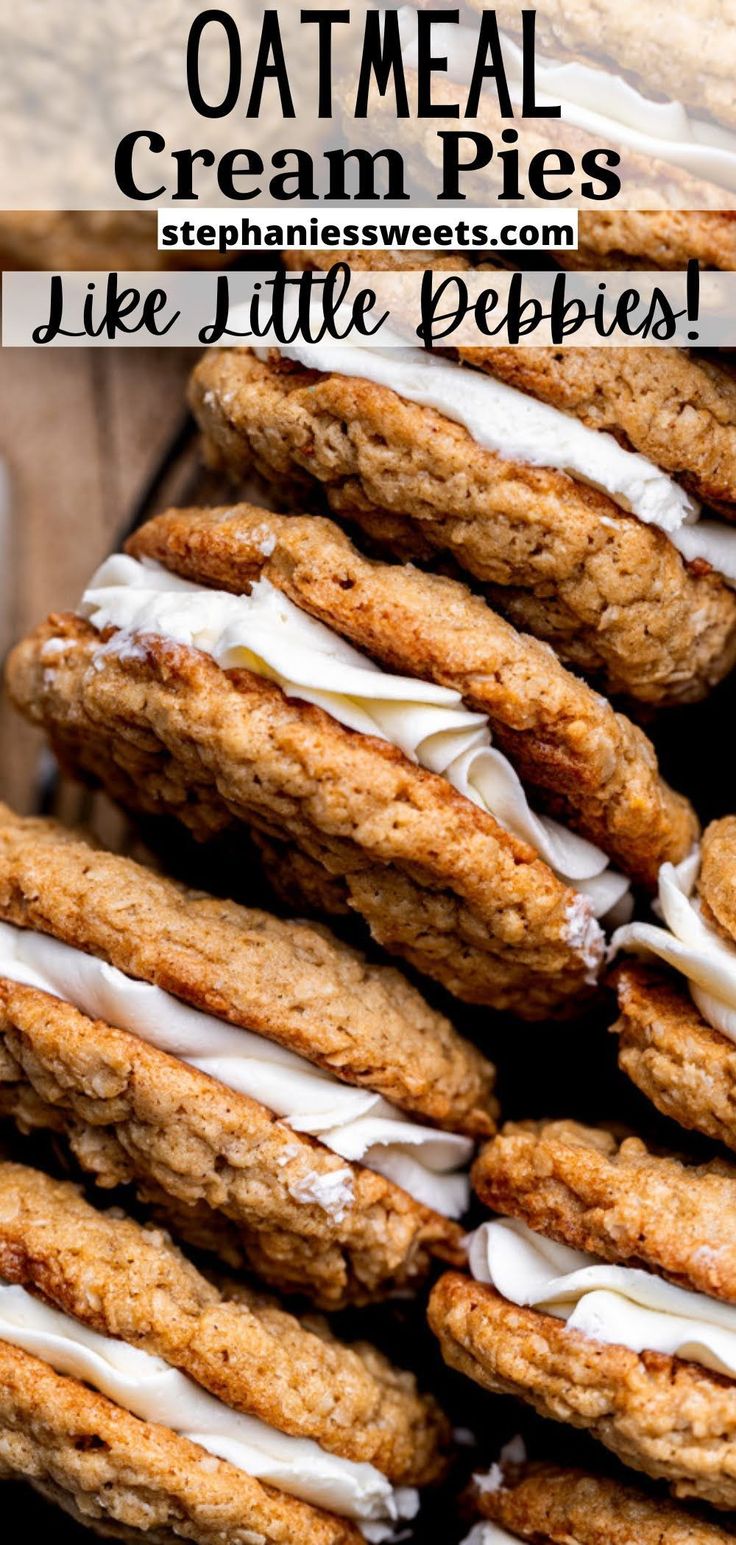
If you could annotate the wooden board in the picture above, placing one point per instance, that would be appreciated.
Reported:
(81, 433)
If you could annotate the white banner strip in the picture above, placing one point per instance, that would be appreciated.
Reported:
(344, 306)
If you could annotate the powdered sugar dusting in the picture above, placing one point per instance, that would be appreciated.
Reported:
(585, 936)
(491, 1482)
(124, 645)
(54, 647)
(334, 1193)
(514, 1452)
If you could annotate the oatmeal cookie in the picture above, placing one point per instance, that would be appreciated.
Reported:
(436, 879)
(114, 1473)
(297, 1213)
(130, 1282)
(615, 238)
(290, 981)
(657, 238)
(592, 767)
(599, 32)
(672, 1420)
(665, 1046)
(717, 877)
(673, 407)
(549, 1505)
(674, 1025)
(611, 1197)
(561, 559)
(669, 404)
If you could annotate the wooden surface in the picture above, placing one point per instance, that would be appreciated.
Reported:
(81, 432)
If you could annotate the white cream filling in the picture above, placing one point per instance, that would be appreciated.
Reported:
(150, 1389)
(486, 1533)
(711, 540)
(489, 1534)
(354, 1123)
(513, 424)
(266, 633)
(688, 944)
(619, 1305)
(517, 427)
(604, 105)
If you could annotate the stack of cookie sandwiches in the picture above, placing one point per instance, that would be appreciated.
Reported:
(274, 1096)
(141, 1396)
(677, 1000)
(605, 1297)
(576, 511)
(394, 746)
(395, 739)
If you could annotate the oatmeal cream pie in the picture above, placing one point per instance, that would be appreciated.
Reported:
(677, 999)
(231, 641)
(673, 154)
(676, 168)
(672, 405)
(582, 540)
(672, 130)
(606, 1298)
(139, 1394)
(596, 36)
(549, 1505)
(273, 1094)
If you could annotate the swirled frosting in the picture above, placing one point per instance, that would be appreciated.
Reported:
(619, 1305)
(265, 632)
(689, 944)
